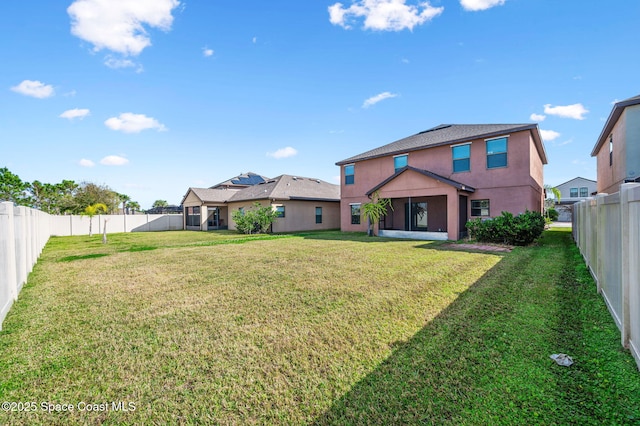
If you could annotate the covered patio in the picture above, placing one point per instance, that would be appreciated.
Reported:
(425, 206)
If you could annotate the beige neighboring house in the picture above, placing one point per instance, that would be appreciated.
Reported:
(618, 147)
(303, 203)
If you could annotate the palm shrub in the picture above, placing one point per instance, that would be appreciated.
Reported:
(520, 230)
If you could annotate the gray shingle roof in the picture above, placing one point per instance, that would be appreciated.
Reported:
(244, 179)
(615, 114)
(445, 134)
(286, 187)
(209, 195)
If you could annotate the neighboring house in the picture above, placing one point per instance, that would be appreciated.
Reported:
(303, 203)
(577, 189)
(440, 178)
(165, 210)
(205, 208)
(618, 147)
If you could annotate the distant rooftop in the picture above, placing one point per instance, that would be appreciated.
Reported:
(242, 180)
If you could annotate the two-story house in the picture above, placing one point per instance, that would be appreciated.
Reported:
(440, 178)
(572, 191)
(618, 148)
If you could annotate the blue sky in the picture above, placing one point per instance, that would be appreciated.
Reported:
(154, 96)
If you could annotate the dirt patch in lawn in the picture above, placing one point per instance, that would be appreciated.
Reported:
(480, 247)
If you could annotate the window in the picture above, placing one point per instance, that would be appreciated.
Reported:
(496, 153)
(241, 210)
(318, 214)
(355, 214)
(573, 193)
(279, 210)
(479, 207)
(349, 174)
(611, 150)
(400, 161)
(193, 216)
(584, 192)
(461, 158)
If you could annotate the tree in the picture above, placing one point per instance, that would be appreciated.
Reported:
(12, 188)
(124, 199)
(375, 209)
(550, 202)
(89, 194)
(93, 210)
(134, 206)
(160, 203)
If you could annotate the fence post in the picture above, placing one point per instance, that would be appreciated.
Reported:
(626, 260)
(8, 249)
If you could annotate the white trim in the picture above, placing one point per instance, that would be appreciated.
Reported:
(355, 204)
(498, 137)
(460, 144)
(402, 155)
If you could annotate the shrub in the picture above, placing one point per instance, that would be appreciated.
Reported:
(254, 221)
(518, 230)
(552, 214)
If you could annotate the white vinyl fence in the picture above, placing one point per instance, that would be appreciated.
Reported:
(607, 231)
(25, 231)
(23, 234)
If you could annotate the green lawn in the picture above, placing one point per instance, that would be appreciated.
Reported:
(318, 328)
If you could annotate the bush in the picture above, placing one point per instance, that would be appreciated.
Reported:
(254, 221)
(552, 214)
(518, 230)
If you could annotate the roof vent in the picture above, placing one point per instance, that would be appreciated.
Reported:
(295, 177)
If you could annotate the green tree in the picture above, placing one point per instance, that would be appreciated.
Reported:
(374, 210)
(256, 220)
(12, 188)
(89, 194)
(93, 210)
(125, 200)
(134, 206)
(160, 203)
(550, 202)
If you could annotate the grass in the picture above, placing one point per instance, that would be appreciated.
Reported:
(319, 328)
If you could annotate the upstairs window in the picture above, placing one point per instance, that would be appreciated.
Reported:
(349, 174)
(400, 161)
(497, 153)
(573, 192)
(461, 158)
(584, 192)
(611, 150)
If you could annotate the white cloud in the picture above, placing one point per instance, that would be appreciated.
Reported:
(34, 89)
(377, 98)
(118, 25)
(575, 111)
(75, 113)
(549, 135)
(254, 40)
(537, 117)
(283, 153)
(86, 163)
(114, 160)
(129, 122)
(206, 52)
(383, 15)
(117, 63)
(475, 5)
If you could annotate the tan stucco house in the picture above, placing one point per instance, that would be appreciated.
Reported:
(617, 150)
(303, 203)
(440, 178)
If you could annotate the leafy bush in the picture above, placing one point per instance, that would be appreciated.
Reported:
(256, 221)
(518, 230)
(552, 214)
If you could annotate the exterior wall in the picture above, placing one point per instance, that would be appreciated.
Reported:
(610, 177)
(632, 139)
(192, 200)
(513, 188)
(300, 215)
